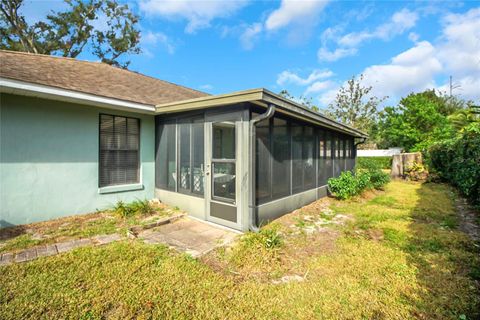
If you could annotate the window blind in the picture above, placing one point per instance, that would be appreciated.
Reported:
(119, 161)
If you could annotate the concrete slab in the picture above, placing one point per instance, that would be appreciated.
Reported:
(191, 236)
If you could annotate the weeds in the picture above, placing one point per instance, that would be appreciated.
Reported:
(137, 207)
(268, 238)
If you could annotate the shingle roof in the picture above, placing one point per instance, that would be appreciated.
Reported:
(91, 77)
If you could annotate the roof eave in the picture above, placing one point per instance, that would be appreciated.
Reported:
(23, 88)
(262, 97)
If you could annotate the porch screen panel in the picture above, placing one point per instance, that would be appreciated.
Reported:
(342, 154)
(263, 168)
(280, 158)
(308, 157)
(198, 170)
(322, 170)
(119, 155)
(166, 156)
(337, 156)
(347, 153)
(185, 171)
(297, 158)
(328, 155)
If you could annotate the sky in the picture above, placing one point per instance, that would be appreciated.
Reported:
(310, 48)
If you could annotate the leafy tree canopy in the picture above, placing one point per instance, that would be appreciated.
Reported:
(465, 118)
(419, 120)
(354, 105)
(108, 29)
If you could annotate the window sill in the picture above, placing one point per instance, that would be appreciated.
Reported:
(120, 188)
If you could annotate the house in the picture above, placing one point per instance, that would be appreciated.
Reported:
(77, 136)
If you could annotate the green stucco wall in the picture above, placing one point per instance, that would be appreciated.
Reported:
(49, 160)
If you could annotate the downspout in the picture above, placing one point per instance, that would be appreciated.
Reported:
(252, 218)
(356, 144)
(359, 143)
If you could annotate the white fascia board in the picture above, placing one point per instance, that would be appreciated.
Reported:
(53, 93)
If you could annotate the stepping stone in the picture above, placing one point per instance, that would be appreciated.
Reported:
(30, 254)
(48, 250)
(6, 258)
(21, 256)
(70, 245)
(106, 239)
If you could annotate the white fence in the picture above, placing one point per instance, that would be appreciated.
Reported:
(379, 152)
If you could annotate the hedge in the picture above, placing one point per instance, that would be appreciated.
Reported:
(458, 161)
(348, 184)
(382, 162)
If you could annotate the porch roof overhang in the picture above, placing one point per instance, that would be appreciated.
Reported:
(261, 97)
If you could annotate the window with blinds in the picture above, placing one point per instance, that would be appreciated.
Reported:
(119, 161)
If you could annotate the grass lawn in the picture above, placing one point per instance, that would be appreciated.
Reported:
(395, 254)
(76, 227)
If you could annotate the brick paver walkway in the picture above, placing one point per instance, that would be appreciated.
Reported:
(187, 235)
(56, 248)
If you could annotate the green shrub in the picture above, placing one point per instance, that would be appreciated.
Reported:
(378, 162)
(363, 181)
(348, 184)
(378, 179)
(345, 186)
(457, 160)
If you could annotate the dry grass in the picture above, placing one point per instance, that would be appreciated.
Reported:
(73, 227)
(390, 255)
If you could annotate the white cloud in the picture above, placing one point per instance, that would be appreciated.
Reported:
(468, 87)
(413, 36)
(288, 77)
(348, 44)
(460, 45)
(325, 55)
(400, 22)
(158, 38)
(293, 11)
(456, 54)
(319, 86)
(248, 37)
(198, 13)
(299, 15)
(412, 70)
(328, 96)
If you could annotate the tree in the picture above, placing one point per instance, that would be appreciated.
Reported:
(107, 28)
(307, 102)
(355, 106)
(417, 122)
(463, 118)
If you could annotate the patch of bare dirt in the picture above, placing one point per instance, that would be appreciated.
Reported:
(469, 218)
(42, 229)
(306, 233)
